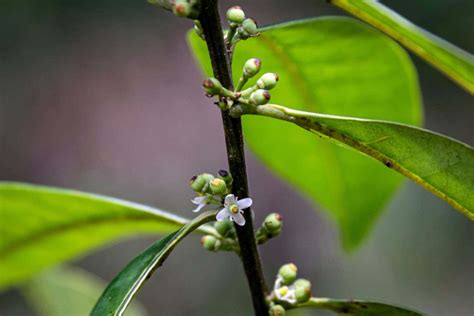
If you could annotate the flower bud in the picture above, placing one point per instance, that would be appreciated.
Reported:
(250, 27)
(302, 290)
(200, 183)
(288, 273)
(267, 81)
(252, 67)
(223, 227)
(260, 97)
(198, 29)
(225, 175)
(273, 223)
(210, 243)
(235, 15)
(212, 86)
(276, 310)
(182, 9)
(218, 186)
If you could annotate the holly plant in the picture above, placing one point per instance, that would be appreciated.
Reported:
(338, 125)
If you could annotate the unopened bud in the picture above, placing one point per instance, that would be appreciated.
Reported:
(225, 175)
(276, 310)
(182, 8)
(302, 290)
(252, 67)
(288, 273)
(250, 26)
(273, 223)
(198, 29)
(218, 186)
(235, 15)
(267, 81)
(212, 86)
(200, 183)
(260, 97)
(223, 227)
(210, 243)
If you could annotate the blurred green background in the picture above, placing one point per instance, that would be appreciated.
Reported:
(104, 96)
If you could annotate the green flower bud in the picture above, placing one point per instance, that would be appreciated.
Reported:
(182, 8)
(218, 186)
(267, 81)
(212, 86)
(250, 27)
(288, 273)
(252, 67)
(223, 227)
(198, 29)
(210, 243)
(302, 290)
(200, 183)
(273, 223)
(260, 97)
(235, 15)
(226, 176)
(276, 310)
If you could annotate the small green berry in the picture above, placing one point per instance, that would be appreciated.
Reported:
(250, 27)
(260, 97)
(235, 15)
(302, 290)
(252, 67)
(182, 9)
(267, 81)
(212, 86)
(218, 186)
(288, 273)
(210, 243)
(277, 310)
(200, 183)
(226, 176)
(223, 227)
(273, 223)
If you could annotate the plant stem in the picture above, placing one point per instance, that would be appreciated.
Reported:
(220, 60)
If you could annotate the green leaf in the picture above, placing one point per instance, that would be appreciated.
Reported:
(335, 66)
(454, 62)
(126, 284)
(42, 226)
(357, 307)
(441, 164)
(67, 291)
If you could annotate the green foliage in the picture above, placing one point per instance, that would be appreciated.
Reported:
(358, 308)
(454, 62)
(441, 164)
(126, 284)
(67, 291)
(42, 226)
(335, 66)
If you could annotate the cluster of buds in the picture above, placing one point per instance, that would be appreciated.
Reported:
(288, 290)
(271, 228)
(241, 27)
(206, 184)
(225, 240)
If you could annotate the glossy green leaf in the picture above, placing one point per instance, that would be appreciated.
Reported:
(357, 307)
(42, 226)
(119, 293)
(68, 291)
(441, 164)
(335, 66)
(454, 62)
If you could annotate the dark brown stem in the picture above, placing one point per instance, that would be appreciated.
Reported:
(211, 25)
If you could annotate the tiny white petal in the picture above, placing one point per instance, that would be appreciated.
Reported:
(244, 203)
(229, 199)
(197, 209)
(200, 199)
(223, 214)
(239, 218)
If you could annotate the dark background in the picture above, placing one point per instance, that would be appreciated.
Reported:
(104, 96)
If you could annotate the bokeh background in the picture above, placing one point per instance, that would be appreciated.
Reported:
(104, 96)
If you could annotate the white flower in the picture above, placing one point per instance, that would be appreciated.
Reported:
(234, 209)
(200, 201)
(284, 293)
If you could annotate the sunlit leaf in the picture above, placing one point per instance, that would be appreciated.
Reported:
(335, 66)
(42, 226)
(119, 293)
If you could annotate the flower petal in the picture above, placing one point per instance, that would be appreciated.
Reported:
(229, 199)
(239, 219)
(200, 200)
(197, 209)
(244, 203)
(223, 214)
